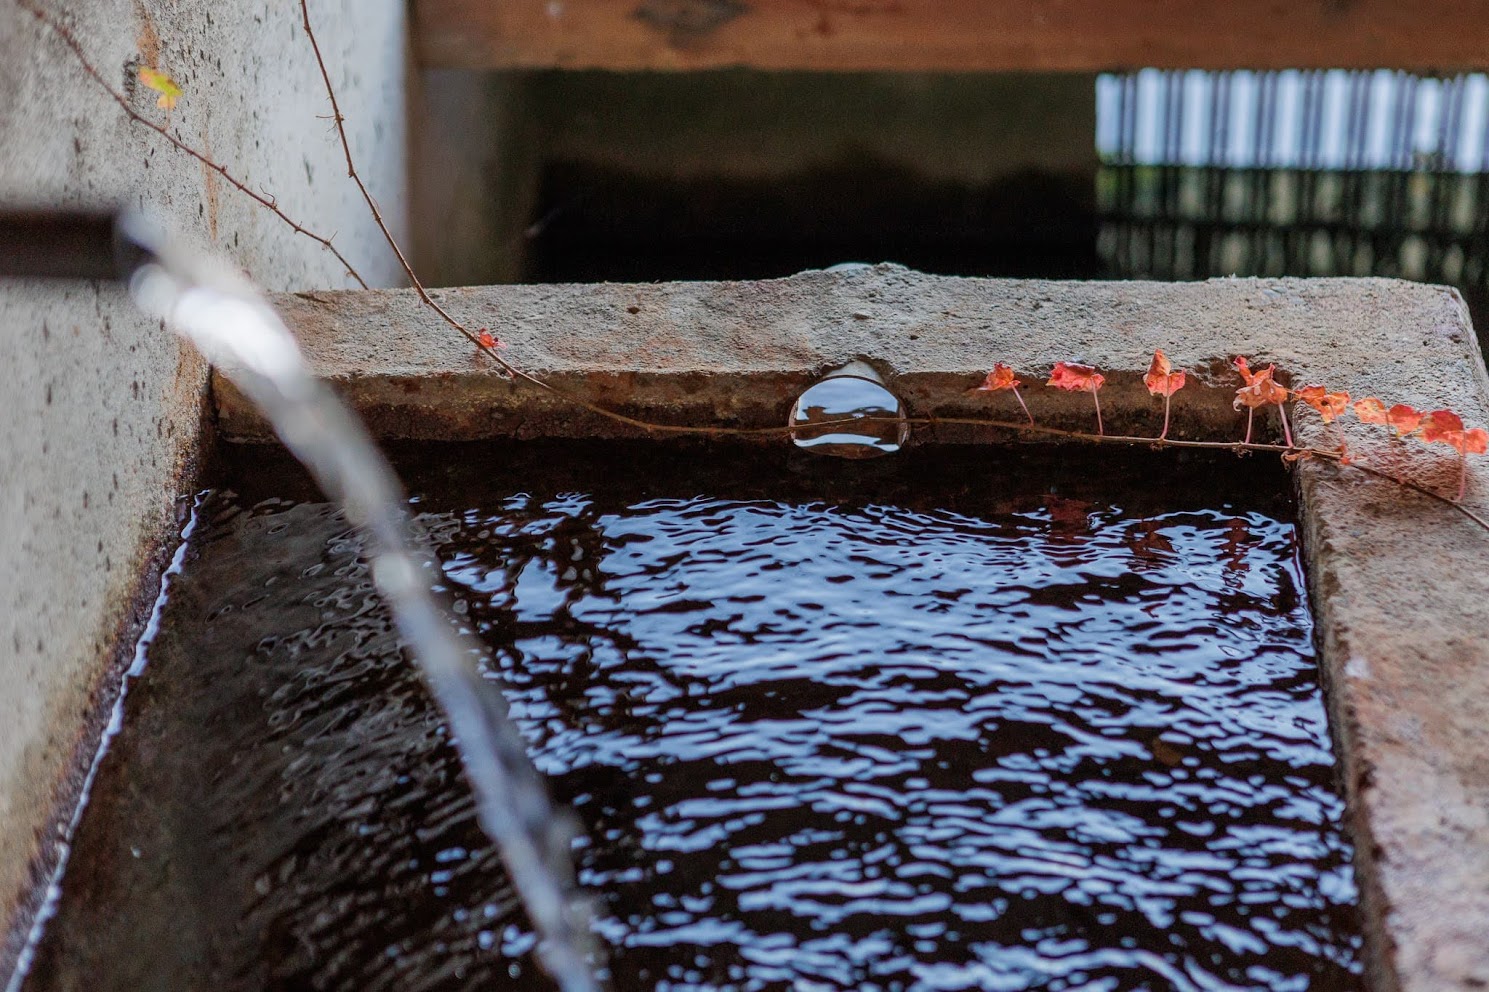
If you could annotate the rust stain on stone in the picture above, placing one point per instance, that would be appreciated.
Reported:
(149, 38)
(209, 176)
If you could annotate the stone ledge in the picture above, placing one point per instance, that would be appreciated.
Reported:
(737, 354)
(1398, 580)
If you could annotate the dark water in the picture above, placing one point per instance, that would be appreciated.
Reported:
(962, 720)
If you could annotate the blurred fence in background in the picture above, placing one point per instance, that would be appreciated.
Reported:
(1306, 173)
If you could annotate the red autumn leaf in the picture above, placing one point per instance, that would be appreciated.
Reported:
(1406, 420)
(1001, 377)
(1259, 390)
(1329, 405)
(1161, 379)
(1440, 424)
(485, 339)
(1084, 378)
(1370, 410)
(1069, 375)
(1446, 427)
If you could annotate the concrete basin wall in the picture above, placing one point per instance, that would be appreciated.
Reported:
(1398, 579)
(106, 414)
(103, 410)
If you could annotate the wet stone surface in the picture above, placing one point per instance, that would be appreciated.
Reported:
(991, 719)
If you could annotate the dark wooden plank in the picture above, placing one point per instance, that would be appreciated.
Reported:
(952, 35)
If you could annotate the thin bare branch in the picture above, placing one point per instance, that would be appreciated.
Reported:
(1414, 487)
(268, 202)
(418, 285)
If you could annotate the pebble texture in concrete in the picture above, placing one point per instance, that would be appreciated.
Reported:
(102, 407)
(1398, 579)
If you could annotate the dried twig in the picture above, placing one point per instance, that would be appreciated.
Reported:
(377, 214)
(266, 201)
(418, 285)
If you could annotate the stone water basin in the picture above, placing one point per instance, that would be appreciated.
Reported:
(966, 718)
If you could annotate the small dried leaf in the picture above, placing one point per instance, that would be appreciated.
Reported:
(488, 341)
(1234, 547)
(162, 84)
(1406, 420)
(1069, 514)
(1329, 405)
(1069, 375)
(1370, 410)
(1149, 542)
(1165, 753)
(1161, 379)
(1001, 377)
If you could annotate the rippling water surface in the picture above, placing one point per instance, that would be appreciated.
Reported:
(972, 720)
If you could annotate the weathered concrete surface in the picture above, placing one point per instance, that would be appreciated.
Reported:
(102, 408)
(737, 354)
(1399, 580)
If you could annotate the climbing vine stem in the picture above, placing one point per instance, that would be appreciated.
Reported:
(268, 202)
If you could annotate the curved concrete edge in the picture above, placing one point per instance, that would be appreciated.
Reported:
(737, 354)
(1398, 579)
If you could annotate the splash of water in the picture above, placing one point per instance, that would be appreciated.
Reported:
(227, 320)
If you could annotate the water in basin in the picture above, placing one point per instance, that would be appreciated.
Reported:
(979, 718)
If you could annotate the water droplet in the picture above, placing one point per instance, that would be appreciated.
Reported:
(854, 392)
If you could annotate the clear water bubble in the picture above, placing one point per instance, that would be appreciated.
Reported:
(849, 414)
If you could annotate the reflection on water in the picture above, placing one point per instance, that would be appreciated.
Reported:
(987, 720)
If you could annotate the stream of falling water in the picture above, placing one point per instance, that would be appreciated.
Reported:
(225, 318)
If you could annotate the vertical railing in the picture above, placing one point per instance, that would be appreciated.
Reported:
(1297, 172)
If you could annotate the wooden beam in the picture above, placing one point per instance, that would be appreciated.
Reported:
(952, 35)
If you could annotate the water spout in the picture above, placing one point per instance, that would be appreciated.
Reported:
(855, 392)
(231, 324)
